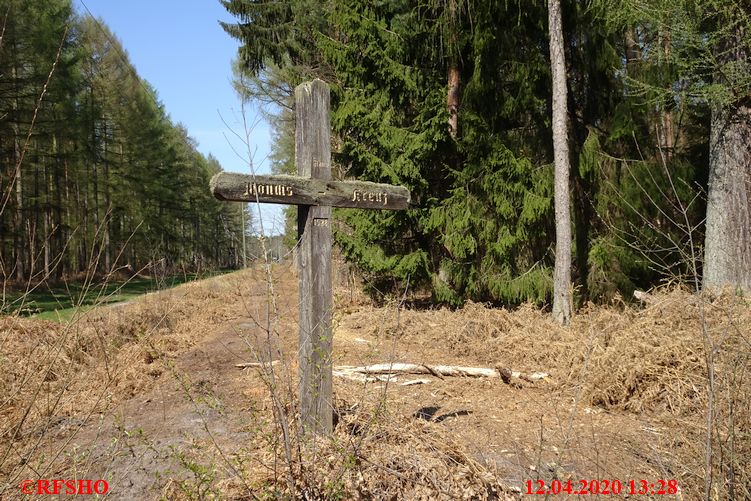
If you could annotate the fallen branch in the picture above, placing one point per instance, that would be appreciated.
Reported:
(413, 382)
(438, 370)
(363, 378)
(256, 364)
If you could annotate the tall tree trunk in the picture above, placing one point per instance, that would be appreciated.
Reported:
(19, 219)
(49, 230)
(46, 242)
(59, 227)
(633, 52)
(82, 200)
(45, 222)
(245, 246)
(666, 127)
(70, 263)
(727, 249)
(19, 226)
(562, 302)
(95, 246)
(34, 221)
(108, 204)
(453, 99)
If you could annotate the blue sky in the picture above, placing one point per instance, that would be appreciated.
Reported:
(179, 47)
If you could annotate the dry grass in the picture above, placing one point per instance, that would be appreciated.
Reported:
(369, 458)
(59, 379)
(649, 362)
(642, 359)
(56, 377)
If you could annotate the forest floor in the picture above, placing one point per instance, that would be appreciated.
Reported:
(148, 396)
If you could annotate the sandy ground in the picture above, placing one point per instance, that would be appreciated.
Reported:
(182, 421)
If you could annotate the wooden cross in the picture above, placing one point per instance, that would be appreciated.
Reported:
(315, 194)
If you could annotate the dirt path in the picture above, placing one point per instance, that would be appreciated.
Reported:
(202, 402)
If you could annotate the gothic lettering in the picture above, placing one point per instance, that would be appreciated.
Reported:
(380, 197)
(279, 190)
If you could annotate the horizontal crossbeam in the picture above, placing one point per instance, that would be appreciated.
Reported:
(295, 190)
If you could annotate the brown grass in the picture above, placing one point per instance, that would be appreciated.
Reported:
(55, 376)
(649, 362)
(642, 359)
(623, 359)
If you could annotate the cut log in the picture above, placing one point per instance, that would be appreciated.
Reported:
(439, 371)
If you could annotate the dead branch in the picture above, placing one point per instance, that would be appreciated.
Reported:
(437, 370)
(256, 364)
(363, 378)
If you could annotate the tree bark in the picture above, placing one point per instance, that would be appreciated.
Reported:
(19, 246)
(562, 302)
(19, 219)
(633, 53)
(727, 249)
(666, 127)
(108, 204)
(453, 99)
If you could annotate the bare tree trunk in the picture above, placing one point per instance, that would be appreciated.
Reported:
(453, 99)
(19, 246)
(95, 246)
(57, 186)
(727, 249)
(666, 127)
(19, 220)
(108, 204)
(633, 52)
(70, 262)
(562, 303)
(245, 245)
(46, 220)
(46, 243)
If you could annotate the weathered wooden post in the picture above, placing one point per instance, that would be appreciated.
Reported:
(313, 160)
(315, 194)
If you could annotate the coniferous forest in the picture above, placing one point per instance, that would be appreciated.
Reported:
(452, 98)
(93, 173)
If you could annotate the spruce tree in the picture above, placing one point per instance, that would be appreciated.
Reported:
(480, 165)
